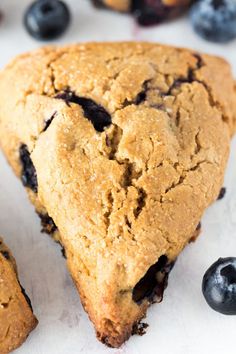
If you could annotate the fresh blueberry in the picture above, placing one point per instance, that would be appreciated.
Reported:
(215, 20)
(219, 286)
(47, 19)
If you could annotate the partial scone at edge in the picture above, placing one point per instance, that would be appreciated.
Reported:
(16, 316)
(123, 145)
(126, 5)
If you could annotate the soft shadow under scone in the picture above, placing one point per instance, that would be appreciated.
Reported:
(124, 145)
(16, 317)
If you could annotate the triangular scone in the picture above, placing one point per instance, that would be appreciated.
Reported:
(16, 317)
(124, 145)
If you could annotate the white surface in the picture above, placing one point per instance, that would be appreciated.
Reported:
(182, 323)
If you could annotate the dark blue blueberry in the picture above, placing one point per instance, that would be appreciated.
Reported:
(47, 223)
(26, 297)
(63, 252)
(49, 121)
(215, 20)
(47, 19)
(94, 112)
(28, 172)
(219, 286)
(222, 193)
(151, 287)
(5, 255)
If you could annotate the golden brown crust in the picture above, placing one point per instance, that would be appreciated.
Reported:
(16, 317)
(126, 196)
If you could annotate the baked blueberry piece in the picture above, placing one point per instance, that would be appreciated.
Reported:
(16, 317)
(122, 147)
(147, 12)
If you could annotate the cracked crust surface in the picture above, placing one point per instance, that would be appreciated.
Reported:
(16, 317)
(125, 196)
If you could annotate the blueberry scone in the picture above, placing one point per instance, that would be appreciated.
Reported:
(147, 12)
(16, 316)
(121, 147)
